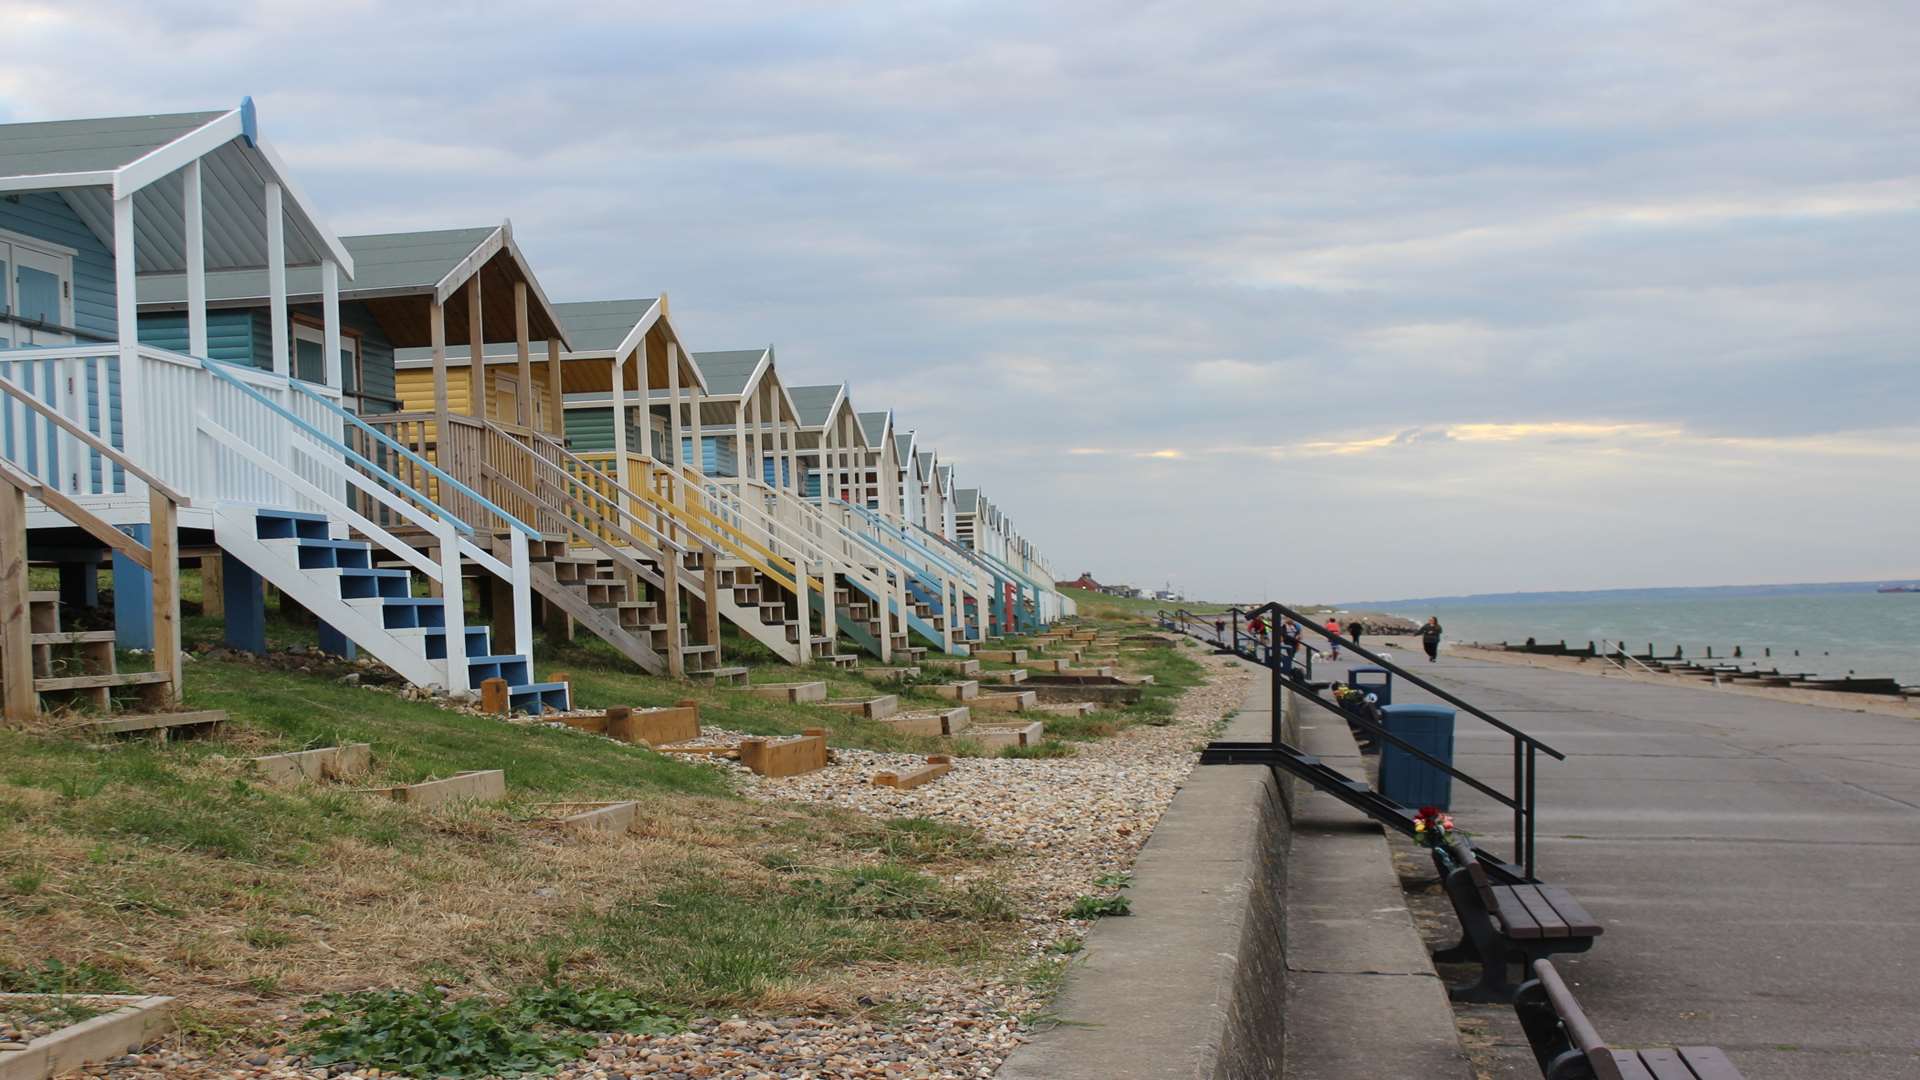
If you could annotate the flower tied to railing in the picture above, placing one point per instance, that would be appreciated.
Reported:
(1351, 697)
(1433, 827)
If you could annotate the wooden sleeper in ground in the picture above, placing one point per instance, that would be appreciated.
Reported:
(1005, 678)
(1002, 656)
(653, 727)
(326, 763)
(793, 693)
(877, 708)
(958, 667)
(941, 722)
(964, 690)
(480, 785)
(1002, 736)
(776, 758)
(937, 765)
(1003, 701)
(587, 818)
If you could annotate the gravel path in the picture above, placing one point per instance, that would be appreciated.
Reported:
(1069, 822)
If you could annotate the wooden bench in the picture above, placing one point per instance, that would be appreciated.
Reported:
(1568, 1048)
(1505, 924)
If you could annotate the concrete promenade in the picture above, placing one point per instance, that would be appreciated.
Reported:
(1756, 863)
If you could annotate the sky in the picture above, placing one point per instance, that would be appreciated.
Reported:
(1300, 301)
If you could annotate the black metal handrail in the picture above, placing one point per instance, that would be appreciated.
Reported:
(1526, 747)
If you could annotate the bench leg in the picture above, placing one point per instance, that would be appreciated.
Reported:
(1460, 952)
(1492, 989)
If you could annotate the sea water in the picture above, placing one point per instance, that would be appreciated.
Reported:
(1857, 631)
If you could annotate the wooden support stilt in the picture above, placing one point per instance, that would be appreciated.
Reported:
(16, 630)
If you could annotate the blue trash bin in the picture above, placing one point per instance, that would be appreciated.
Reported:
(1377, 681)
(1406, 779)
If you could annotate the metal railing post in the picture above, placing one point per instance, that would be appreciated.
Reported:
(1532, 807)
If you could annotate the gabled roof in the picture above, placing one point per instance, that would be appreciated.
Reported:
(429, 265)
(926, 463)
(875, 425)
(729, 372)
(142, 158)
(816, 404)
(903, 448)
(966, 500)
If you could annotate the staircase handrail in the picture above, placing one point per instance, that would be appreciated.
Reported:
(213, 367)
(1456, 702)
(876, 521)
(619, 504)
(391, 443)
(93, 442)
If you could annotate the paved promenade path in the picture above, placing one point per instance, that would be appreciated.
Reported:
(1756, 864)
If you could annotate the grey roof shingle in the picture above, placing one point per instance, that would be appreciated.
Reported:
(966, 499)
(875, 426)
(98, 145)
(728, 370)
(903, 446)
(813, 402)
(384, 264)
(601, 325)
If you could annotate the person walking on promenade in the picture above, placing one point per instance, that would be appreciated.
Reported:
(1353, 630)
(1333, 638)
(1430, 638)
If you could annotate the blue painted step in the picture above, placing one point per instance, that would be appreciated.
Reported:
(537, 698)
(365, 584)
(514, 669)
(328, 554)
(477, 642)
(290, 525)
(427, 611)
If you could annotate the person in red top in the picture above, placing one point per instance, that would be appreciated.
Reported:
(1333, 638)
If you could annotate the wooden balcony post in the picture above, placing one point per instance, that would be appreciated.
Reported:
(194, 227)
(476, 353)
(618, 381)
(523, 349)
(556, 393)
(437, 328)
(277, 280)
(678, 457)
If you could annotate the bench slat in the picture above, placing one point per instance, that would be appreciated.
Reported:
(1708, 1063)
(1551, 925)
(1514, 918)
(1665, 1065)
(1579, 922)
(1628, 1065)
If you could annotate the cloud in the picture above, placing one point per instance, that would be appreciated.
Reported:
(1504, 277)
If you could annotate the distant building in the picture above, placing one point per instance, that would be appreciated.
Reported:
(1167, 594)
(1084, 581)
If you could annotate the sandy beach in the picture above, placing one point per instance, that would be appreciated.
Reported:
(1868, 703)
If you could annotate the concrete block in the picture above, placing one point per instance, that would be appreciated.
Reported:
(958, 691)
(962, 667)
(326, 763)
(1012, 677)
(483, 785)
(792, 693)
(784, 757)
(655, 727)
(133, 1022)
(1088, 673)
(1045, 665)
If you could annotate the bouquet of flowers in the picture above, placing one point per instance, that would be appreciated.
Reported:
(1433, 827)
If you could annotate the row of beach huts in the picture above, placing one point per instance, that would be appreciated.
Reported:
(405, 436)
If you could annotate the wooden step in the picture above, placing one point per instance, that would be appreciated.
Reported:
(1002, 736)
(1018, 701)
(794, 692)
(163, 722)
(965, 690)
(91, 682)
(73, 637)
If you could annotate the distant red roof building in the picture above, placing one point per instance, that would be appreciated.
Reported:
(1084, 581)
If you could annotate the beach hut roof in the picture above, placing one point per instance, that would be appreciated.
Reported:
(875, 425)
(816, 404)
(393, 273)
(730, 372)
(966, 500)
(92, 162)
(903, 448)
